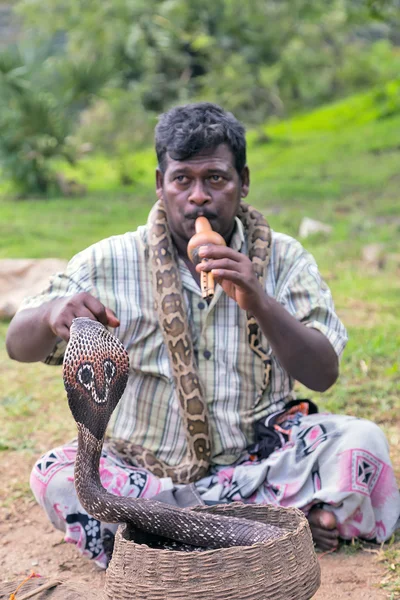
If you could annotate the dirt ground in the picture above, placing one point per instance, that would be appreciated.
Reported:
(29, 542)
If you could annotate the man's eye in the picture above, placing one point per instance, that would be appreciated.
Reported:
(181, 178)
(216, 178)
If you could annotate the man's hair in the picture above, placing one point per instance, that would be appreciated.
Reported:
(184, 131)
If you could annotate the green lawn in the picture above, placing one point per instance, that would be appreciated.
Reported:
(341, 165)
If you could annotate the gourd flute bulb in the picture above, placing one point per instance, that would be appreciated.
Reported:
(204, 236)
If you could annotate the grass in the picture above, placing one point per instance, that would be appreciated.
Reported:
(339, 165)
(390, 557)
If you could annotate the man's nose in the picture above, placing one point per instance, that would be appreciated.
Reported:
(199, 194)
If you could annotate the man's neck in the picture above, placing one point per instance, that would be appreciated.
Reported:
(181, 247)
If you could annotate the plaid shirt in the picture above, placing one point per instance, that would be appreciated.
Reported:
(117, 271)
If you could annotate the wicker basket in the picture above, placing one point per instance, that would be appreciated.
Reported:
(282, 569)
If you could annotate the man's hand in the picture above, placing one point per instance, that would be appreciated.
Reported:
(235, 274)
(33, 332)
(62, 311)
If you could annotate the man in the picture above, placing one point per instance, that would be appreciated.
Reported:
(266, 447)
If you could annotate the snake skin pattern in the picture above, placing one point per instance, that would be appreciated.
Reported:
(95, 374)
(172, 317)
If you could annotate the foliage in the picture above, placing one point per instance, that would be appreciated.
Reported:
(257, 59)
(40, 96)
(389, 97)
(116, 124)
(95, 74)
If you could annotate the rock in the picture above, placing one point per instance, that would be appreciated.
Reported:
(70, 187)
(274, 209)
(24, 277)
(373, 255)
(86, 148)
(364, 367)
(310, 227)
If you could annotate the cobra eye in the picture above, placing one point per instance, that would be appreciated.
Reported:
(109, 370)
(85, 375)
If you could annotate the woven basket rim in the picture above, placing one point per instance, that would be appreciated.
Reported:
(303, 523)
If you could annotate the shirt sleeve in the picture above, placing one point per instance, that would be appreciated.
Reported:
(75, 279)
(308, 298)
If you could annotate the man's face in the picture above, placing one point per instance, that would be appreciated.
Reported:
(206, 184)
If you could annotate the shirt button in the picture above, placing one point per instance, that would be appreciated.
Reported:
(207, 354)
(201, 305)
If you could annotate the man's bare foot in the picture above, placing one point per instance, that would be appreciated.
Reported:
(323, 528)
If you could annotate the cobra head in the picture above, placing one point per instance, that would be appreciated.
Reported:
(95, 374)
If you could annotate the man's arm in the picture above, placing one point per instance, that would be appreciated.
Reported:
(305, 353)
(29, 337)
(33, 332)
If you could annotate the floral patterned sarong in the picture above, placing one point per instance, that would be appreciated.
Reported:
(339, 462)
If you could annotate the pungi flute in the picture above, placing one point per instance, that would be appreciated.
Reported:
(204, 236)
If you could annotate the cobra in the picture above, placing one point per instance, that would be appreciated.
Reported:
(95, 374)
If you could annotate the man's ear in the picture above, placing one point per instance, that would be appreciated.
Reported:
(159, 183)
(245, 182)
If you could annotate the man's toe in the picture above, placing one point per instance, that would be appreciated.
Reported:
(323, 528)
(323, 519)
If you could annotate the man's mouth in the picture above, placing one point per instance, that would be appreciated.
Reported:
(208, 215)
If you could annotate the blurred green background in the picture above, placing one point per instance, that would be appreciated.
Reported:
(82, 80)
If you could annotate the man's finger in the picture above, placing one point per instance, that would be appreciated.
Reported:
(84, 312)
(63, 333)
(213, 251)
(97, 309)
(233, 276)
(222, 263)
(100, 312)
(112, 319)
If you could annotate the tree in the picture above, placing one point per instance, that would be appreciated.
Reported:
(258, 58)
(40, 96)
